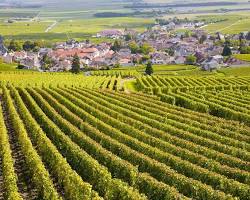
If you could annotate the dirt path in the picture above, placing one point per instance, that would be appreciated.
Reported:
(24, 183)
(123, 81)
(51, 26)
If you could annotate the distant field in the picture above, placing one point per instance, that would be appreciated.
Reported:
(234, 23)
(79, 22)
(77, 28)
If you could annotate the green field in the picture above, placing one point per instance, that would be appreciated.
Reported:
(7, 67)
(118, 134)
(104, 144)
(79, 29)
(236, 71)
(244, 57)
(78, 21)
(234, 22)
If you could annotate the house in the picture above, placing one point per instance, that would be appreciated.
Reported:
(200, 56)
(212, 63)
(44, 51)
(220, 36)
(67, 53)
(7, 58)
(125, 62)
(98, 63)
(19, 55)
(179, 60)
(114, 34)
(170, 26)
(31, 62)
(159, 58)
(184, 50)
(218, 58)
(62, 65)
(3, 50)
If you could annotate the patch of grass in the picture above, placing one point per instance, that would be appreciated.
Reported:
(131, 86)
(8, 67)
(236, 71)
(244, 57)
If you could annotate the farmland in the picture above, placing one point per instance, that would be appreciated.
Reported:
(118, 139)
(244, 57)
(79, 29)
(93, 129)
(161, 70)
(79, 22)
(105, 143)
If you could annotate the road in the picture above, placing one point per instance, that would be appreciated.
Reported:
(51, 26)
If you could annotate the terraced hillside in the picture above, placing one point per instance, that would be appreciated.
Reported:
(79, 143)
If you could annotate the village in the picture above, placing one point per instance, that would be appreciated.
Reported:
(161, 44)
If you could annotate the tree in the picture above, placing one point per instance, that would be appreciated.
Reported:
(128, 37)
(146, 49)
(226, 51)
(248, 36)
(170, 51)
(245, 50)
(191, 60)
(187, 34)
(117, 45)
(241, 37)
(28, 46)
(75, 64)
(145, 58)
(149, 69)
(117, 65)
(134, 47)
(203, 38)
(47, 62)
(14, 46)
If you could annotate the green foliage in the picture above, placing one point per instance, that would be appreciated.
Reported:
(149, 69)
(71, 182)
(226, 51)
(134, 47)
(31, 46)
(244, 57)
(14, 46)
(47, 62)
(8, 172)
(170, 51)
(128, 37)
(191, 60)
(75, 68)
(117, 45)
(245, 50)
(203, 38)
(39, 175)
(146, 49)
